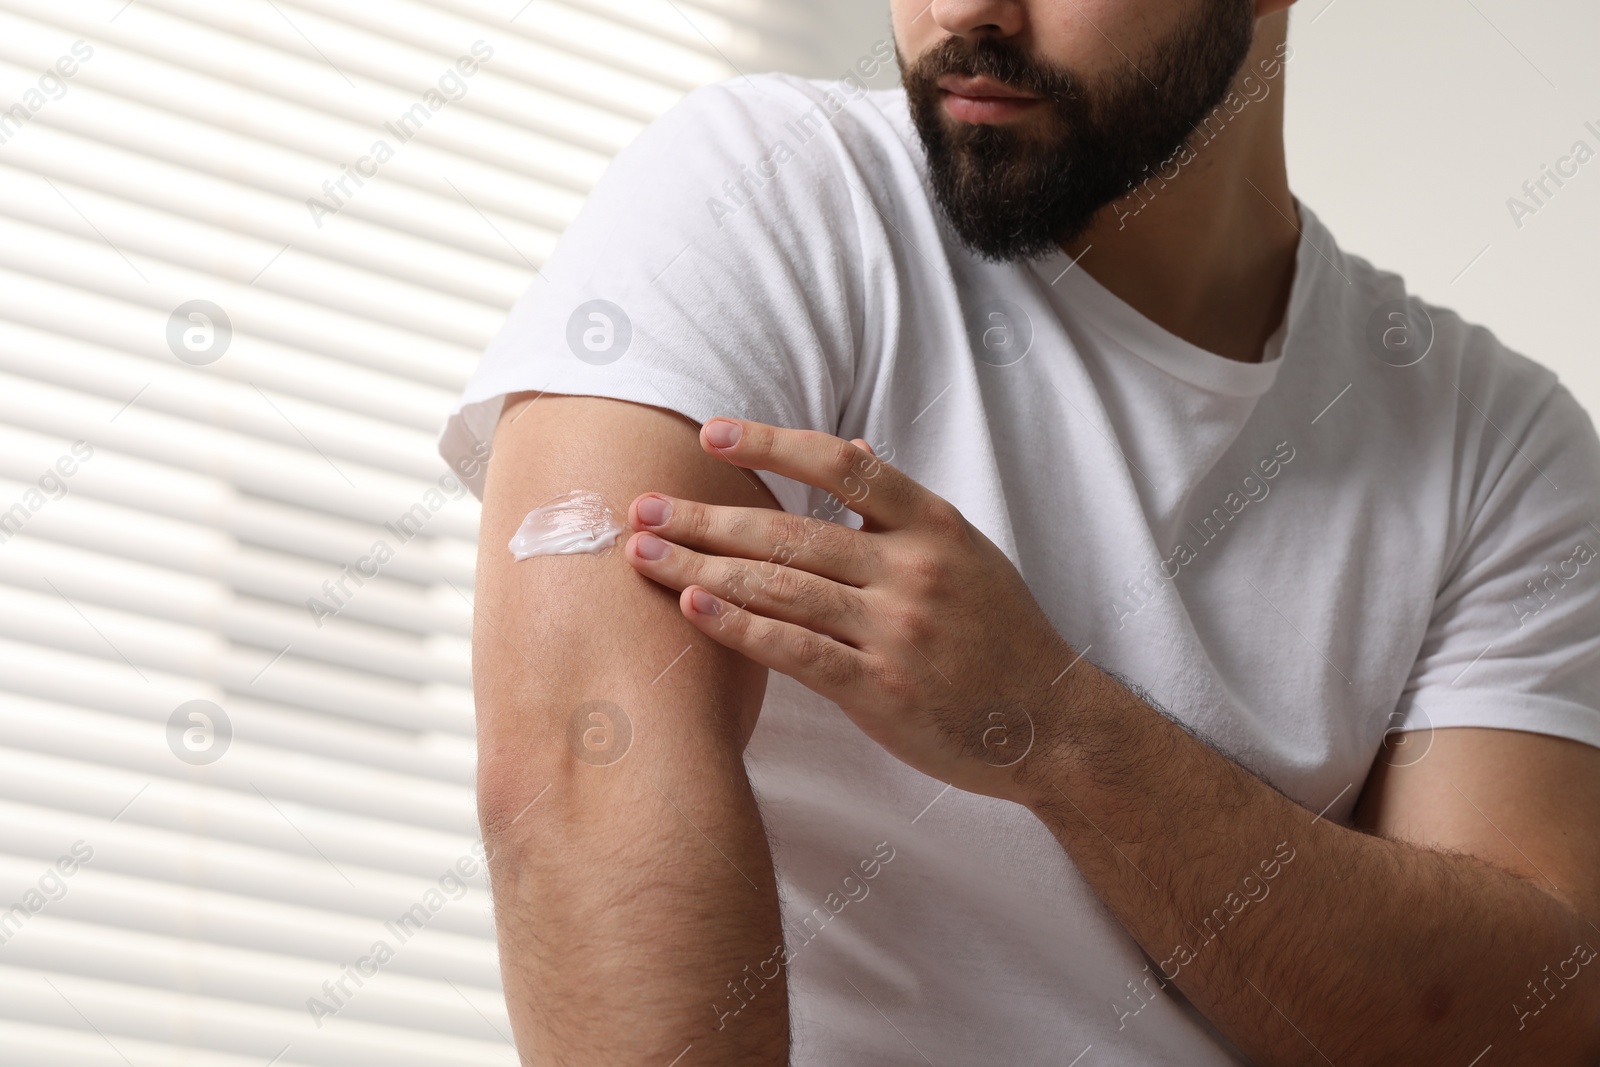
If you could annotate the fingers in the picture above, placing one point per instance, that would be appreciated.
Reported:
(885, 497)
(826, 549)
(781, 593)
(819, 663)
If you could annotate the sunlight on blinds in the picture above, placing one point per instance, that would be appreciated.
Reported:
(248, 254)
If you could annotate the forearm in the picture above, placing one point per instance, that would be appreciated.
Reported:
(1355, 950)
(627, 904)
(1359, 949)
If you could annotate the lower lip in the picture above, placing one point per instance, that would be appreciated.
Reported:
(987, 109)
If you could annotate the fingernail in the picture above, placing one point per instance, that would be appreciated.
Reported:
(654, 510)
(722, 433)
(704, 603)
(649, 546)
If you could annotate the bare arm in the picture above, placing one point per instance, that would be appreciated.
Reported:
(1429, 939)
(1462, 931)
(628, 894)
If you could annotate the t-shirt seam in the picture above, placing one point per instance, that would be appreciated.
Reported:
(1470, 529)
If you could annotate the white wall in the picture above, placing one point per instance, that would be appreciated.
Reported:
(1410, 124)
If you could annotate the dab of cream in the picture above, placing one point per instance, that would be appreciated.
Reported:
(571, 524)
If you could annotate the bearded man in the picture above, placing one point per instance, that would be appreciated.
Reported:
(1070, 611)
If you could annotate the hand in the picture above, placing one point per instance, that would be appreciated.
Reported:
(917, 625)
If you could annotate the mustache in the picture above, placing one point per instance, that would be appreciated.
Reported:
(987, 57)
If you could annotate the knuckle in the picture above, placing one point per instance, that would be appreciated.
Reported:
(758, 439)
(868, 554)
(691, 518)
(842, 458)
(741, 583)
(854, 553)
(806, 597)
(784, 587)
(812, 532)
(794, 535)
(912, 623)
(788, 529)
(894, 681)
(943, 518)
(737, 525)
(783, 554)
(926, 570)
(782, 534)
(735, 622)
(829, 661)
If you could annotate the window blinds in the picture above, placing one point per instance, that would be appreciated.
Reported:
(249, 252)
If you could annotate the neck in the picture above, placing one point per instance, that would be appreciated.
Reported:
(1209, 253)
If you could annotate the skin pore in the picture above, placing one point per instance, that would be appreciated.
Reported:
(1211, 257)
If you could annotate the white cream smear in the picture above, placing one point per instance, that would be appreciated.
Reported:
(572, 524)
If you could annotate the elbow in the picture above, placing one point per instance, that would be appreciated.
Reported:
(506, 798)
(519, 765)
(536, 764)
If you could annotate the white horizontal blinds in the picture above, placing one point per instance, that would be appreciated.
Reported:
(164, 520)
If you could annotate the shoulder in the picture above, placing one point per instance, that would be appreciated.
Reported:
(1431, 362)
(1513, 405)
(1443, 407)
(776, 147)
(749, 117)
(760, 108)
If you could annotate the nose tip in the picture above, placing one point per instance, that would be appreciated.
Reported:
(979, 18)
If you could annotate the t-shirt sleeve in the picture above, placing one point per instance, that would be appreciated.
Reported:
(1514, 641)
(712, 271)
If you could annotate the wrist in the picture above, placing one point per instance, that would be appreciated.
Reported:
(1081, 730)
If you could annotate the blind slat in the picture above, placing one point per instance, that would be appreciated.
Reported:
(207, 549)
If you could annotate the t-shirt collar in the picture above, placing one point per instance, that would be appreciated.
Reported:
(1088, 303)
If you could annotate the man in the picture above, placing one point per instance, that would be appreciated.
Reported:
(1184, 646)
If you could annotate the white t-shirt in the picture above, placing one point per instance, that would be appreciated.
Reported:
(1290, 556)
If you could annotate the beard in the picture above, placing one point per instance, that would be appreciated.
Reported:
(1012, 193)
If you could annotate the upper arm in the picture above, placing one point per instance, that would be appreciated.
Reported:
(1526, 803)
(1511, 658)
(552, 633)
